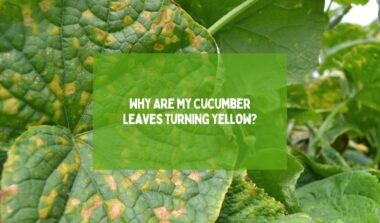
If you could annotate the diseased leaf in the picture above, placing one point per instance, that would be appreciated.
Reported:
(46, 53)
(246, 203)
(293, 27)
(348, 197)
(363, 69)
(48, 177)
(299, 108)
(359, 61)
(46, 50)
(326, 93)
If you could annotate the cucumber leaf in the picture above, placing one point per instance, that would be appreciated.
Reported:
(46, 50)
(269, 26)
(347, 197)
(48, 177)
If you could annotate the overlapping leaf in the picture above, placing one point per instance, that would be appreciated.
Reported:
(347, 197)
(274, 26)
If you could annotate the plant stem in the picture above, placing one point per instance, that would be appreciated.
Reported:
(335, 21)
(230, 16)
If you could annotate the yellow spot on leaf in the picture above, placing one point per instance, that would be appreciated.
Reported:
(90, 207)
(162, 214)
(195, 176)
(115, 209)
(111, 182)
(11, 106)
(127, 183)
(180, 190)
(27, 15)
(47, 202)
(4, 93)
(161, 178)
(57, 106)
(89, 60)
(55, 86)
(76, 43)
(11, 190)
(166, 15)
(195, 41)
(43, 119)
(116, 6)
(70, 89)
(146, 15)
(46, 5)
(168, 29)
(63, 141)
(84, 98)
(16, 78)
(110, 39)
(83, 137)
(72, 203)
(87, 14)
(81, 128)
(135, 176)
(11, 161)
(170, 40)
(128, 20)
(37, 141)
(158, 47)
(140, 28)
(179, 212)
(54, 31)
(100, 35)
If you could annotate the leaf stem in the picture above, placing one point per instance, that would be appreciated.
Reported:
(230, 16)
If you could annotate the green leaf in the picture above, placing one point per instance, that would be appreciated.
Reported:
(295, 218)
(48, 177)
(347, 197)
(313, 169)
(246, 203)
(280, 184)
(274, 26)
(343, 33)
(346, 2)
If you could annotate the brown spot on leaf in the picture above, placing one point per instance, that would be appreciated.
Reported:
(162, 214)
(195, 176)
(111, 182)
(70, 89)
(11, 106)
(127, 20)
(115, 209)
(11, 190)
(89, 208)
(87, 14)
(46, 5)
(158, 47)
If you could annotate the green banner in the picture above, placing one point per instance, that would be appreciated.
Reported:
(186, 111)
